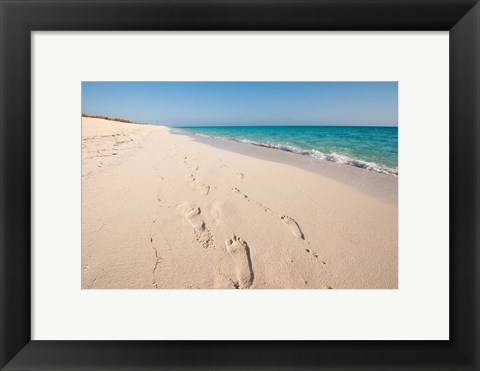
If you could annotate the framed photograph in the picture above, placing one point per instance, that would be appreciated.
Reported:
(239, 185)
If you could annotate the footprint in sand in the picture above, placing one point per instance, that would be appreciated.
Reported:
(240, 252)
(204, 189)
(293, 225)
(194, 218)
(202, 234)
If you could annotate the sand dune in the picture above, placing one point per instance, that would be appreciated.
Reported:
(162, 210)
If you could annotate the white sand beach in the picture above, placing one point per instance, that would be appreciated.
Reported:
(169, 211)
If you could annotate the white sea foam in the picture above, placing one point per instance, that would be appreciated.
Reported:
(341, 159)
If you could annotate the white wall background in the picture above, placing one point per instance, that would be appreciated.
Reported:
(418, 310)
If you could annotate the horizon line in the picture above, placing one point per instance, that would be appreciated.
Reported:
(295, 126)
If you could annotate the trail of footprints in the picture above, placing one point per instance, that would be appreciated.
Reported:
(238, 249)
(193, 183)
(289, 222)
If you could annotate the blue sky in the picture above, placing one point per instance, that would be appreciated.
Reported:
(245, 103)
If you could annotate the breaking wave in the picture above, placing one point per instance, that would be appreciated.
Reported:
(315, 153)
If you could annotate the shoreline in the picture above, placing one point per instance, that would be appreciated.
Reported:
(168, 211)
(293, 148)
(383, 187)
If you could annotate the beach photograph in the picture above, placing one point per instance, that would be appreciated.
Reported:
(239, 185)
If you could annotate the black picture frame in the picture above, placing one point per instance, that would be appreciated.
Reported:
(18, 18)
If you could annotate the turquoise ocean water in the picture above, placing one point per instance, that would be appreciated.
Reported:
(372, 148)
